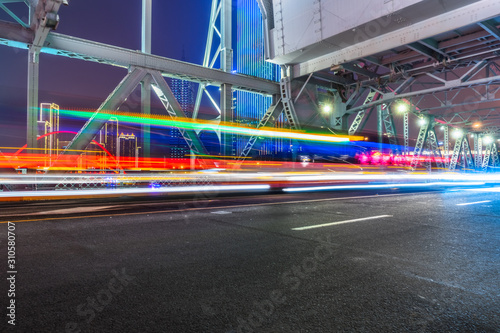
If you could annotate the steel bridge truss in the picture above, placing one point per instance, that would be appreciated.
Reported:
(119, 95)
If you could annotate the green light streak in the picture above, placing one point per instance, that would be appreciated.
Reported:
(185, 124)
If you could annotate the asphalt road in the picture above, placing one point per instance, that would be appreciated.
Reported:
(397, 262)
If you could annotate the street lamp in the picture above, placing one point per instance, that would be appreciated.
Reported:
(457, 133)
(327, 108)
(422, 121)
(487, 140)
(402, 107)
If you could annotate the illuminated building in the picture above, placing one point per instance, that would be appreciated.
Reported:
(48, 122)
(127, 144)
(184, 93)
(109, 136)
(250, 60)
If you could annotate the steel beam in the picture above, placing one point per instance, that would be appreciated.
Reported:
(446, 142)
(226, 31)
(44, 20)
(380, 127)
(358, 70)
(476, 12)
(487, 155)
(474, 70)
(390, 129)
(491, 27)
(449, 85)
(406, 133)
(14, 16)
(425, 50)
(467, 154)
(146, 26)
(268, 120)
(32, 109)
(82, 49)
(421, 139)
(146, 112)
(146, 83)
(372, 95)
(478, 150)
(286, 98)
(456, 153)
(174, 109)
(432, 44)
(434, 148)
(227, 117)
(113, 102)
(494, 155)
(206, 58)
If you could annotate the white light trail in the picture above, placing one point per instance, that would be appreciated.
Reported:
(365, 187)
(180, 189)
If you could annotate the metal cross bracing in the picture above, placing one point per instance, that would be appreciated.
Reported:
(372, 95)
(456, 153)
(220, 13)
(495, 155)
(406, 133)
(287, 100)
(15, 35)
(390, 129)
(269, 119)
(421, 139)
(119, 95)
(433, 146)
(452, 73)
(458, 84)
(467, 156)
(462, 155)
(491, 159)
(478, 150)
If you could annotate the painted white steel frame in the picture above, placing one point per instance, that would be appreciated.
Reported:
(471, 14)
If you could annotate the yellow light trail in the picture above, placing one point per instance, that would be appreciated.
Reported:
(185, 123)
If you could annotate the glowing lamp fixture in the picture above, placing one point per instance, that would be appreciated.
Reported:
(327, 108)
(476, 125)
(402, 107)
(458, 133)
(422, 121)
(487, 140)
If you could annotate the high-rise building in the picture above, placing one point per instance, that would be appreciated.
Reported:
(184, 92)
(127, 144)
(250, 60)
(48, 123)
(108, 136)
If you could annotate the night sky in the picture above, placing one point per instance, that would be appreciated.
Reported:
(179, 30)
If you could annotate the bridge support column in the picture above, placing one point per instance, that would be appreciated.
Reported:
(338, 119)
(380, 127)
(226, 40)
(32, 112)
(227, 116)
(146, 82)
(146, 112)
